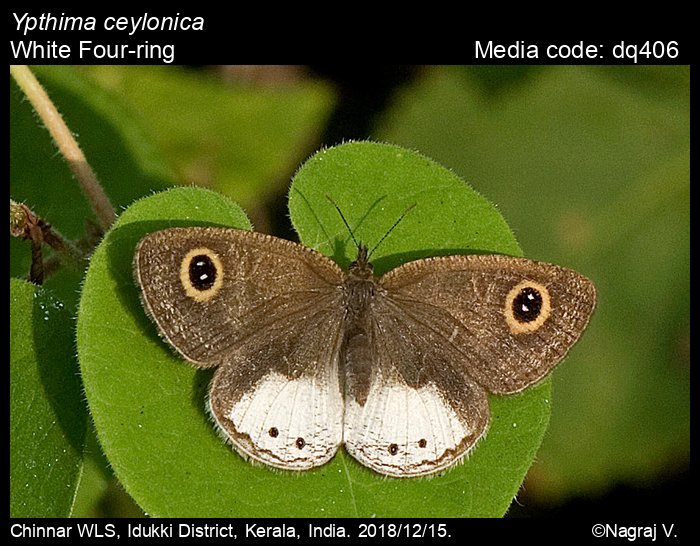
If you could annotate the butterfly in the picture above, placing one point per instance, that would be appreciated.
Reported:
(396, 368)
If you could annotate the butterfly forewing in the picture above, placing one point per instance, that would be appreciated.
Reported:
(505, 342)
(205, 321)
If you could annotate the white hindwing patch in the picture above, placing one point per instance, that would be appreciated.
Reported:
(290, 424)
(403, 432)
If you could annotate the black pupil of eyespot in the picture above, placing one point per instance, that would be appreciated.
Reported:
(527, 305)
(202, 272)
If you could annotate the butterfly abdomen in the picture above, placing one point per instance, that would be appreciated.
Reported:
(356, 350)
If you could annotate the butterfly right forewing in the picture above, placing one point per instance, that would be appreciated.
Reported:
(514, 319)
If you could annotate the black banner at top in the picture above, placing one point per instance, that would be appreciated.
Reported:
(202, 35)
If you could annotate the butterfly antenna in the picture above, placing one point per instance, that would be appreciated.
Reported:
(344, 220)
(391, 229)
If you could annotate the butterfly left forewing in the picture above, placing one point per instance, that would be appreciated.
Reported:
(514, 319)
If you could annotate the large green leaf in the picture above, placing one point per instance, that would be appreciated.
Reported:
(47, 414)
(149, 406)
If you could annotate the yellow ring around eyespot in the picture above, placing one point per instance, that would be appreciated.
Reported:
(190, 290)
(518, 327)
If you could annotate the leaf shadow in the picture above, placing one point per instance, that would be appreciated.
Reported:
(60, 374)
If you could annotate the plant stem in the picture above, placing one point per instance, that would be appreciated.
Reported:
(24, 223)
(67, 145)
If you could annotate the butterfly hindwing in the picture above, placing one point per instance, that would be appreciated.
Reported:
(411, 408)
(278, 398)
(406, 431)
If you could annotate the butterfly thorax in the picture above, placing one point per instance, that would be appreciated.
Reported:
(360, 285)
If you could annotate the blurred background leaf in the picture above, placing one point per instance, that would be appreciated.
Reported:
(243, 139)
(589, 165)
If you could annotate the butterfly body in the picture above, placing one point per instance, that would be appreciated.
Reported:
(395, 368)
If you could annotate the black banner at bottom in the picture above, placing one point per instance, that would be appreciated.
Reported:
(301, 531)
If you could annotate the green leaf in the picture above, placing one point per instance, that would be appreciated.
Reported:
(47, 415)
(149, 406)
(374, 185)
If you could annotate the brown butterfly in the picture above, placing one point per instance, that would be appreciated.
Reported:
(396, 368)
